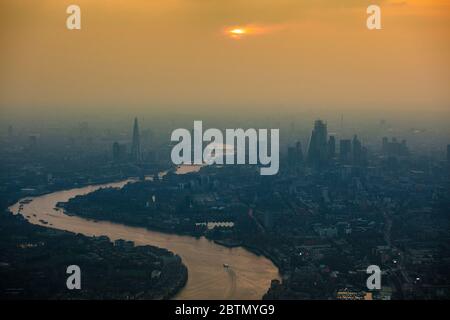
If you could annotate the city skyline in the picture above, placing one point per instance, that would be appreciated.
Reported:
(317, 224)
(225, 150)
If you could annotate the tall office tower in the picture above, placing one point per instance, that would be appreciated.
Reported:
(384, 145)
(119, 152)
(345, 147)
(395, 148)
(357, 151)
(364, 157)
(116, 151)
(331, 147)
(299, 152)
(318, 146)
(295, 155)
(291, 157)
(404, 148)
(32, 141)
(10, 132)
(136, 144)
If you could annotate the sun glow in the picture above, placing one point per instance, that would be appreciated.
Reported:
(243, 31)
(236, 32)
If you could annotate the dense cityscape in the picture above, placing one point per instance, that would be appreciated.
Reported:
(34, 260)
(336, 207)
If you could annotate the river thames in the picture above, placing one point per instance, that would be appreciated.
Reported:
(247, 277)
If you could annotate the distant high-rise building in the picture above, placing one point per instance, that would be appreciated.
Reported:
(32, 141)
(10, 132)
(119, 152)
(364, 156)
(345, 148)
(394, 148)
(318, 145)
(115, 151)
(331, 147)
(291, 156)
(295, 155)
(357, 151)
(384, 145)
(299, 152)
(404, 148)
(136, 143)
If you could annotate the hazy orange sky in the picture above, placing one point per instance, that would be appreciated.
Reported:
(147, 55)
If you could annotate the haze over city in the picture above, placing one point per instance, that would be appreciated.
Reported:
(136, 162)
(180, 56)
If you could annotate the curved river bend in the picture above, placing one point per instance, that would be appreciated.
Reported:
(248, 276)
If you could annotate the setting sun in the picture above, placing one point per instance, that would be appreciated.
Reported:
(241, 31)
(237, 31)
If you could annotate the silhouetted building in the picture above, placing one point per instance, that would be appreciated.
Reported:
(10, 132)
(357, 151)
(318, 145)
(364, 156)
(384, 145)
(394, 148)
(119, 152)
(291, 157)
(331, 147)
(404, 148)
(32, 142)
(295, 155)
(136, 143)
(345, 150)
(299, 151)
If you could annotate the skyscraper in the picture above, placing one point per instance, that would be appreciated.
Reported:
(10, 132)
(119, 152)
(385, 144)
(116, 151)
(136, 143)
(295, 155)
(395, 148)
(331, 147)
(345, 147)
(357, 151)
(318, 145)
(299, 152)
(291, 157)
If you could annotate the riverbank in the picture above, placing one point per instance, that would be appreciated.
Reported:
(227, 243)
(203, 258)
(102, 263)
